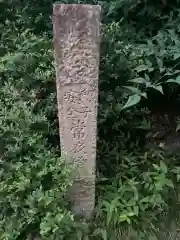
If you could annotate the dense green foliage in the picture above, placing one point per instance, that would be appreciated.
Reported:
(137, 188)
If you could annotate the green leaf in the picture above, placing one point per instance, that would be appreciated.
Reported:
(178, 127)
(150, 45)
(174, 81)
(160, 63)
(138, 80)
(124, 218)
(79, 235)
(176, 56)
(157, 87)
(132, 89)
(156, 167)
(163, 167)
(147, 78)
(141, 68)
(145, 200)
(131, 214)
(143, 94)
(169, 183)
(178, 177)
(104, 234)
(109, 216)
(132, 100)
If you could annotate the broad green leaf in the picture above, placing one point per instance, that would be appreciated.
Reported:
(171, 73)
(132, 89)
(124, 218)
(178, 177)
(157, 87)
(143, 94)
(145, 200)
(79, 235)
(150, 45)
(136, 210)
(157, 199)
(138, 80)
(131, 214)
(178, 127)
(156, 167)
(163, 167)
(132, 100)
(169, 183)
(104, 234)
(177, 80)
(160, 63)
(147, 78)
(161, 144)
(176, 56)
(109, 216)
(141, 68)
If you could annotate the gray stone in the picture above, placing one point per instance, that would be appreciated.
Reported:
(76, 41)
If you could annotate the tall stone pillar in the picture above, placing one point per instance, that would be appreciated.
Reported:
(76, 41)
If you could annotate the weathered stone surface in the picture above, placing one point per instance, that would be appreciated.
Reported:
(76, 42)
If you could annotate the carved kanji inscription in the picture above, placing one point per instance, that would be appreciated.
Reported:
(76, 43)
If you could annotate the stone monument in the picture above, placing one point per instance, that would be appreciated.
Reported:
(76, 30)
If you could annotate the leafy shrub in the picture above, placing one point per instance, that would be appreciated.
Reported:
(33, 179)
